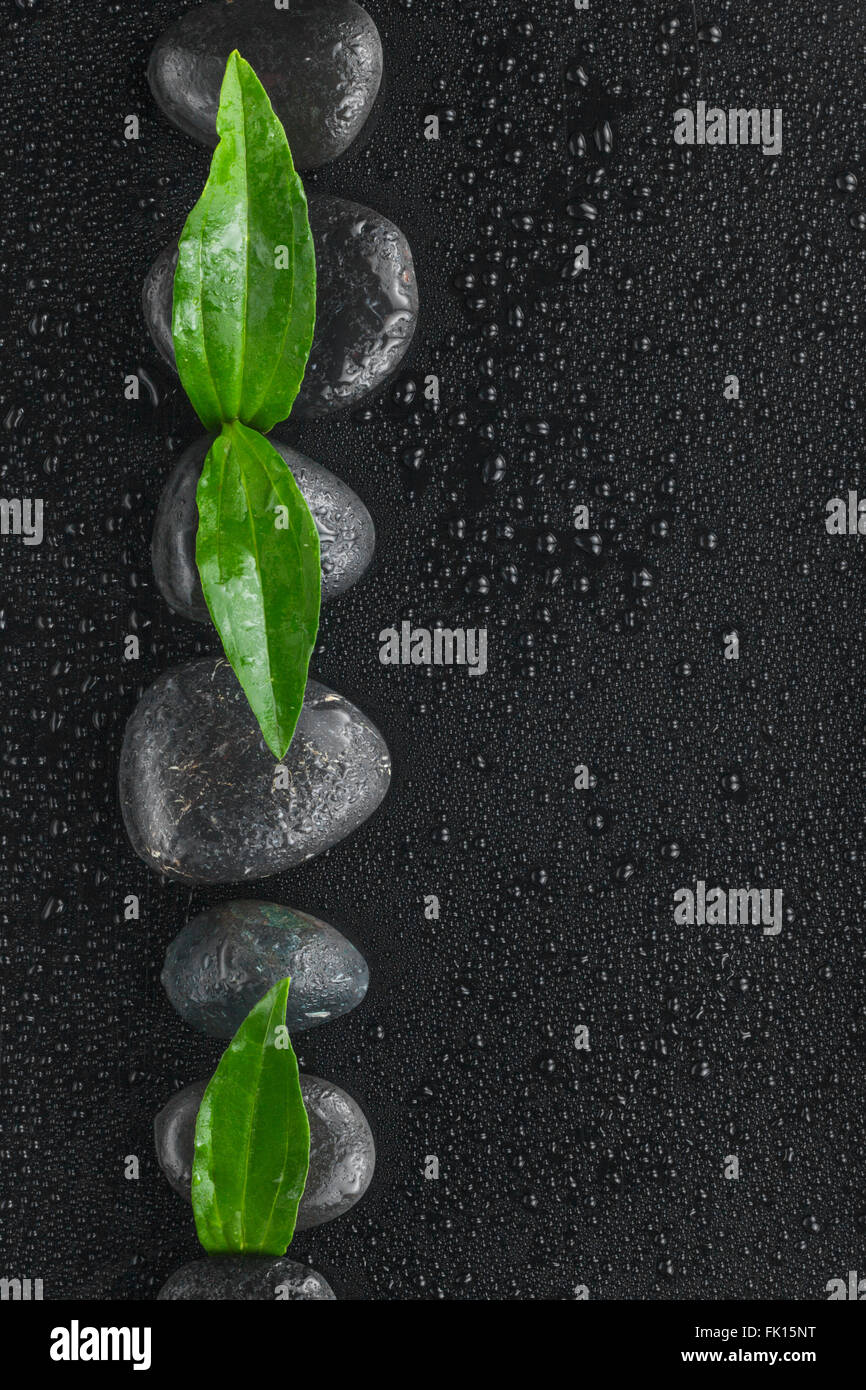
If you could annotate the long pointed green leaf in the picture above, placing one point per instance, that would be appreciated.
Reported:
(252, 1139)
(245, 284)
(257, 552)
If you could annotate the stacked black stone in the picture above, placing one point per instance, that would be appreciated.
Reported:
(200, 796)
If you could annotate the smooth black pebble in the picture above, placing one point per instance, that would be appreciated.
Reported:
(225, 960)
(347, 536)
(342, 1151)
(320, 62)
(265, 1278)
(198, 790)
(366, 305)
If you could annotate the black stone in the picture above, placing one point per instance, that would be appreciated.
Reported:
(225, 960)
(198, 793)
(347, 536)
(320, 62)
(157, 300)
(263, 1278)
(174, 1135)
(342, 1151)
(366, 305)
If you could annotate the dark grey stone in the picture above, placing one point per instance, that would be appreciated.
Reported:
(245, 1277)
(347, 536)
(366, 305)
(342, 1152)
(174, 1135)
(197, 783)
(157, 301)
(225, 960)
(320, 62)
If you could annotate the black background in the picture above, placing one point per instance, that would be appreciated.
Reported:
(559, 1168)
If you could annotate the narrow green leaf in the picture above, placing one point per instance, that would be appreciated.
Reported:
(257, 552)
(252, 1139)
(245, 284)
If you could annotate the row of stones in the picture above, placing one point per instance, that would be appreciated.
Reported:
(202, 799)
(216, 969)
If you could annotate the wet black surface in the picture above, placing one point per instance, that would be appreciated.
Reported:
(558, 1168)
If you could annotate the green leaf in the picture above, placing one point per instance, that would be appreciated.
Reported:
(252, 1139)
(245, 284)
(257, 552)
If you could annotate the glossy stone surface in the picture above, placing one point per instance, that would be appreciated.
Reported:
(198, 790)
(347, 536)
(264, 1278)
(342, 1151)
(157, 300)
(320, 62)
(225, 960)
(366, 305)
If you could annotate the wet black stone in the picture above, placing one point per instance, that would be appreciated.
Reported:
(245, 1277)
(174, 1135)
(342, 1151)
(320, 62)
(347, 536)
(225, 960)
(197, 784)
(366, 305)
(157, 299)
